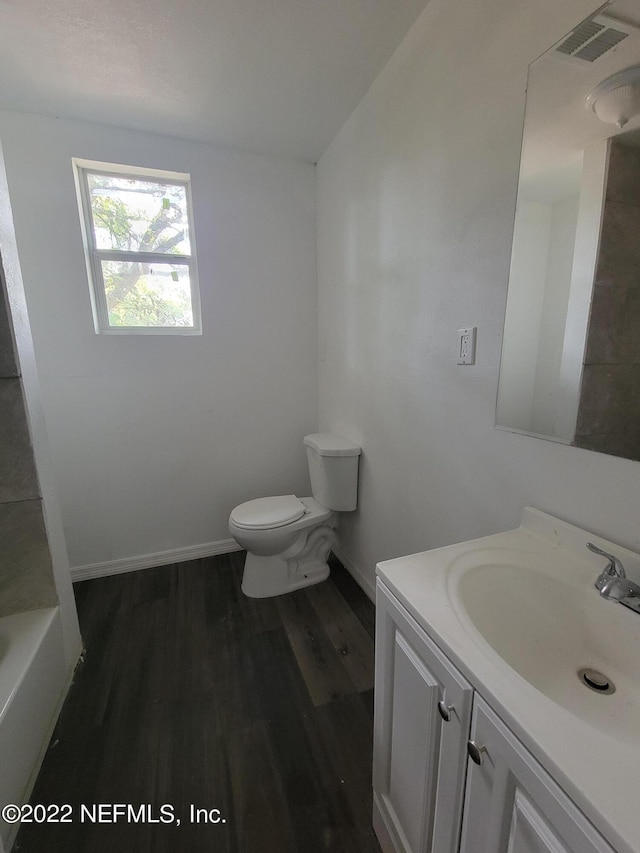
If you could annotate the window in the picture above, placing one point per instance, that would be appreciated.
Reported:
(138, 235)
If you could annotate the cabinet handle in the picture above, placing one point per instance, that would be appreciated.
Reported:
(475, 752)
(445, 711)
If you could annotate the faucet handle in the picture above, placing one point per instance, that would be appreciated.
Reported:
(615, 569)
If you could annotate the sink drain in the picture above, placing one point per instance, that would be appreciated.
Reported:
(596, 681)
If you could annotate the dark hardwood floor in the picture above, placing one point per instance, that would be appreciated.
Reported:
(191, 694)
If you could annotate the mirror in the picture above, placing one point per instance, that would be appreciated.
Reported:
(570, 367)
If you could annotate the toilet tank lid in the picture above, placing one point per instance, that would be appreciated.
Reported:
(328, 444)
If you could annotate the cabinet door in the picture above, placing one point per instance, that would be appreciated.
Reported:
(419, 758)
(512, 805)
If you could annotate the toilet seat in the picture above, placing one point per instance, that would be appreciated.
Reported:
(267, 513)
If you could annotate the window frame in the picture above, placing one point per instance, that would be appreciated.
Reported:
(94, 256)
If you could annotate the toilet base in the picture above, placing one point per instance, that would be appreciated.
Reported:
(304, 564)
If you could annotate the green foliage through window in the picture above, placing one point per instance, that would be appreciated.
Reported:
(141, 246)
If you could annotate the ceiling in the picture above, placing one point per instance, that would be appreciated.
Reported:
(558, 125)
(275, 76)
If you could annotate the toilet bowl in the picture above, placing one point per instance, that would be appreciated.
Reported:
(288, 539)
(286, 556)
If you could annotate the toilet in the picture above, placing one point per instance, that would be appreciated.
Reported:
(287, 538)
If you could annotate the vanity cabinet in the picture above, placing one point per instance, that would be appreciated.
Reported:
(430, 795)
(512, 805)
(422, 717)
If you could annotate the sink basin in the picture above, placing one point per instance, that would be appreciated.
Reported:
(518, 614)
(542, 615)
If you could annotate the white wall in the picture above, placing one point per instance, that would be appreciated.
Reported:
(553, 319)
(155, 439)
(536, 314)
(524, 312)
(416, 199)
(595, 168)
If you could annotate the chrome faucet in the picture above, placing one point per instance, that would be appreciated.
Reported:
(612, 583)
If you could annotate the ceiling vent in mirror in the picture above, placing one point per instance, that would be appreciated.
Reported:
(593, 38)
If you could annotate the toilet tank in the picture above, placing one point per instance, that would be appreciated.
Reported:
(333, 467)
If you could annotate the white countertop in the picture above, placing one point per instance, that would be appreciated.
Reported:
(600, 772)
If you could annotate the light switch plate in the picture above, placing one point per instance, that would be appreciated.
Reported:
(467, 345)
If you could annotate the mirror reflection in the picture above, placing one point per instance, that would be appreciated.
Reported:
(570, 368)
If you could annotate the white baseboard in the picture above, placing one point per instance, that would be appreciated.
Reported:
(358, 575)
(149, 561)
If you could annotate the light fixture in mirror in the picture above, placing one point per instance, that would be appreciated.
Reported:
(570, 368)
(617, 99)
